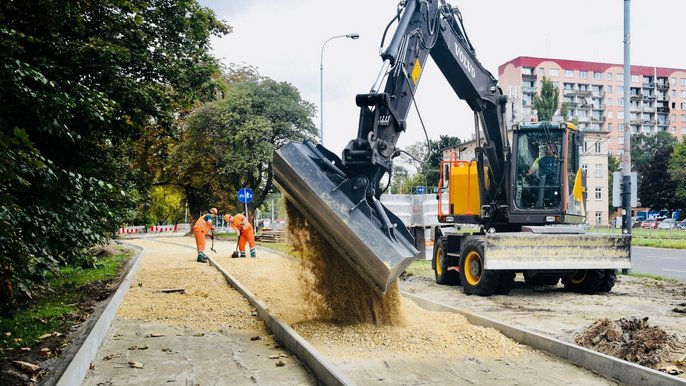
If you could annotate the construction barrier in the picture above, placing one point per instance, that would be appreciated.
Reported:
(131, 229)
(163, 228)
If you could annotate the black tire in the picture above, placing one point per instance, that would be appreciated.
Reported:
(440, 264)
(475, 279)
(506, 282)
(585, 281)
(540, 280)
(609, 280)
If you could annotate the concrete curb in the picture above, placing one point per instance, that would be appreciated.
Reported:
(626, 372)
(76, 372)
(324, 371)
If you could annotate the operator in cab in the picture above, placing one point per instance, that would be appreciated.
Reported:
(546, 165)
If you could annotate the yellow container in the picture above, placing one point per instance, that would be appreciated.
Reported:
(463, 188)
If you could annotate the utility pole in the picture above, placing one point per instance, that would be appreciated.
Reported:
(626, 157)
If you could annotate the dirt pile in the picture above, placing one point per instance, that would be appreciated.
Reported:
(340, 294)
(631, 339)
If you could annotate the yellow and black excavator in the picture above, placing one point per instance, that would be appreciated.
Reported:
(522, 196)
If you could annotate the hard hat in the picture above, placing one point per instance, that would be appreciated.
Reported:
(213, 210)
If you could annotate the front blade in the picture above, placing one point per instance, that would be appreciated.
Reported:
(377, 258)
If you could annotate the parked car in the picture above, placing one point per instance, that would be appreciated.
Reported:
(637, 223)
(650, 223)
(667, 223)
(681, 224)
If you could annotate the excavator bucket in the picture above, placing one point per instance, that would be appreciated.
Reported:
(311, 182)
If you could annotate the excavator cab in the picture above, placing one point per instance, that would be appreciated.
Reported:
(547, 181)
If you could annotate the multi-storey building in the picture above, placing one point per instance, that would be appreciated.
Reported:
(594, 97)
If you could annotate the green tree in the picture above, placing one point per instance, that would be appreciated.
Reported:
(426, 160)
(548, 101)
(228, 144)
(649, 158)
(81, 82)
(677, 172)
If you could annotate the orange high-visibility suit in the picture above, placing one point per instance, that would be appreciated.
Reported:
(201, 228)
(245, 234)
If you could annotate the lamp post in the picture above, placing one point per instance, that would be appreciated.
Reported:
(321, 82)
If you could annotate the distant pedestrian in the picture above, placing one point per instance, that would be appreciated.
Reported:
(202, 227)
(245, 232)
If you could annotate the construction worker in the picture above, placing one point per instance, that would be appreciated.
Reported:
(201, 228)
(245, 232)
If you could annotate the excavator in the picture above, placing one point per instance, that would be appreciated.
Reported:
(509, 210)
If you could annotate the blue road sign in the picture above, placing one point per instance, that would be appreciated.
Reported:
(421, 190)
(245, 195)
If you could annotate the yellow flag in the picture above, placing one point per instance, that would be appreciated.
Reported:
(579, 188)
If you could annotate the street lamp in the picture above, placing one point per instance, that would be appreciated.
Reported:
(321, 82)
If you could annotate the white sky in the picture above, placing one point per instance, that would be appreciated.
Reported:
(284, 38)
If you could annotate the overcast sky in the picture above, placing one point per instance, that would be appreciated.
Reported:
(284, 38)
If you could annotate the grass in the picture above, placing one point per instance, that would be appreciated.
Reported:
(659, 238)
(420, 267)
(51, 310)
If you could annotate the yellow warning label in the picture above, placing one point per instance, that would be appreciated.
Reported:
(416, 71)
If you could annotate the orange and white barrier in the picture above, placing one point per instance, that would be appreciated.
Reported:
(163, 228)
(131, 229)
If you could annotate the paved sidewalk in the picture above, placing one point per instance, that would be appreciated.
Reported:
(207, 335)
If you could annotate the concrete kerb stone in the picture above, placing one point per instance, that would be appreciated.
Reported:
(77, 369)
(323, 370)
(626, 372)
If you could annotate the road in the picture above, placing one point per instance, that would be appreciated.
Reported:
(670, 263)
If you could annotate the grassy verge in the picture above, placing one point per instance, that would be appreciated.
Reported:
(658, 238)
(54, 310)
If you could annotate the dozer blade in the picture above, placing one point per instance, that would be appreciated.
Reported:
(306, 178)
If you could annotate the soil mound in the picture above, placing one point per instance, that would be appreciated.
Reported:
(631, 339)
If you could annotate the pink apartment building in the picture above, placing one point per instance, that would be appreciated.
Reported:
(594, 93)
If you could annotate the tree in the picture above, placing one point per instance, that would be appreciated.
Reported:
(81, 82)
(228, 144)
(548, 101)
(677, 172)
(649, 158)
(426, 160)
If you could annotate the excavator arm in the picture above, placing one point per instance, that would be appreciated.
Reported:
(341, 195)
(426, 28)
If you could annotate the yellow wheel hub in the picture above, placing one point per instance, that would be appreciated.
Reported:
(439, 263)
(473, 268)
(578, 277)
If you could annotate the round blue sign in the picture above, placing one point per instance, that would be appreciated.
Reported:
(245, 195)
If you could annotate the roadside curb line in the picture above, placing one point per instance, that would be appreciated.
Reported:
(611, 367)
(78, 368)
(322, 369)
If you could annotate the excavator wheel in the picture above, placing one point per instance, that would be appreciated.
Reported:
(506, 282)
(475, 279)
(440, 264)
(587, 281)
(610, 280)
(540, 280)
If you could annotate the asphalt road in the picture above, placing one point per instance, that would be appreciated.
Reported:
(670, 263)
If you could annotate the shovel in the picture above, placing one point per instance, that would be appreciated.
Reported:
(212, 246)
(235, 253)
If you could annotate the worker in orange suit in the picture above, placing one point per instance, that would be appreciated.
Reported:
(202, 227)
(245, 233)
